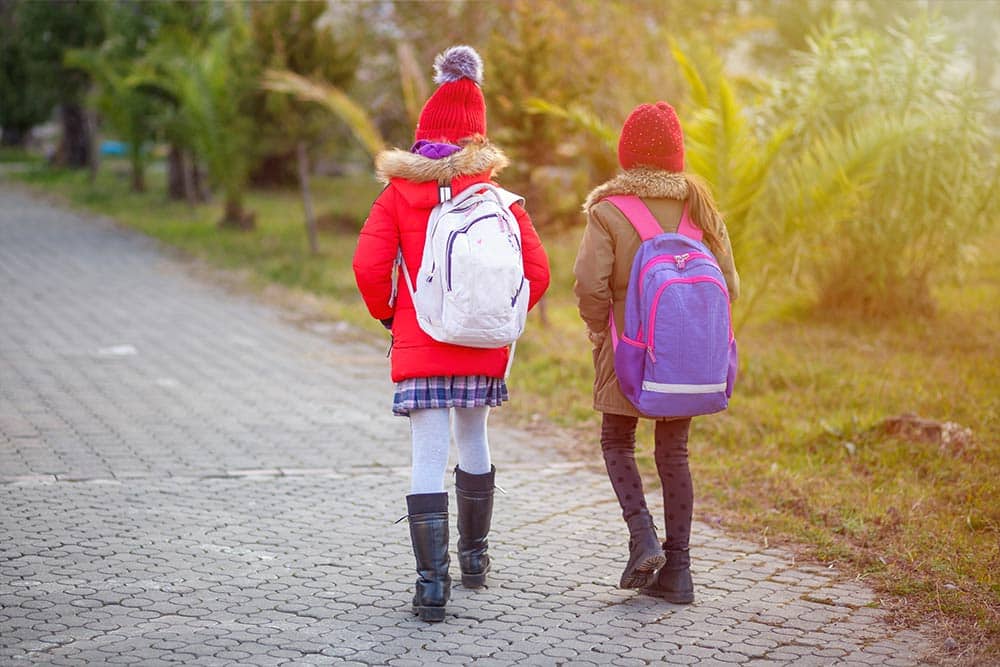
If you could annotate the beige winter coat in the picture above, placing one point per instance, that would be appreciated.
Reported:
(604, 263)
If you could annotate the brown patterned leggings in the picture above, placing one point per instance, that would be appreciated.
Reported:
(671, 456)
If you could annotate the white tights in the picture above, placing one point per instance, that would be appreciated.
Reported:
(431, 441)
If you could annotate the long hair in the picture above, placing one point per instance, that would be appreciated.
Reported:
(705, 214)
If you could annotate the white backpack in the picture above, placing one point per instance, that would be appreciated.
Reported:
(471, 289)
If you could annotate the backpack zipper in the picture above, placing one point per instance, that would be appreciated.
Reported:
(520, 287)
(465, 207)
(451, 243)
(656, 302)
(679, 260)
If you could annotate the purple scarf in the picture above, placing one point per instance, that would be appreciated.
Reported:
(434, 150)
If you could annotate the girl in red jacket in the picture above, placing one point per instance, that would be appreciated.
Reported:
(437, 381)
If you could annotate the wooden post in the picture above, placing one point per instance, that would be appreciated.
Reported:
(307, 204)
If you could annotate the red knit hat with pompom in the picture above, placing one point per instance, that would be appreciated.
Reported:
(456, 109)
(652, 137)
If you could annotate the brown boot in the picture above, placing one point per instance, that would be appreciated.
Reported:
(644, 552)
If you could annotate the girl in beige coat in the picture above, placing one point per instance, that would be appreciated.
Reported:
(651, 153)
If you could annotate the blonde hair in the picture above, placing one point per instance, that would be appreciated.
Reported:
(705, 214)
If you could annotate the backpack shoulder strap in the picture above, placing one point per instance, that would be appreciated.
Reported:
(645, 224)
(505, 197)
(638, 214)
(508, 198)
(687, 226)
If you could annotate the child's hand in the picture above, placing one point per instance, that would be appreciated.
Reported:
(597, 337)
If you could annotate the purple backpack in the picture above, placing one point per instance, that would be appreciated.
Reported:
(677, 354)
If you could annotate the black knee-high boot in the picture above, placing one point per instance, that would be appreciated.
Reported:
(428, 516)
(475, 512)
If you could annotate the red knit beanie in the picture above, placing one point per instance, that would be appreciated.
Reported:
(456, 109)
(652, 137)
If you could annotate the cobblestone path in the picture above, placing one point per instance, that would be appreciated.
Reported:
(187, 477)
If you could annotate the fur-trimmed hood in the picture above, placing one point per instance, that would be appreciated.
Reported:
(475, 158)
(641, 182)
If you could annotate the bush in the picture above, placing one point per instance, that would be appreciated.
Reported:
(925, 198)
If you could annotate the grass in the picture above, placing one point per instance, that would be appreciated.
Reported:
(10, 155)
(799, 457)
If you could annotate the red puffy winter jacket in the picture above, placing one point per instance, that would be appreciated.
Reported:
(398, 219)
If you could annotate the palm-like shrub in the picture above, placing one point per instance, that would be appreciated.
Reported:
(920, 194)
(727, 150)
(333, 99)
(210, 82)
(125, 107)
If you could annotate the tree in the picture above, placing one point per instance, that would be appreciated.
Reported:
(48, 31)
(184, 22)
(210, 81)
(550, 94)
(128, 110)
(24, 102)
(530, 59)
(288, 37)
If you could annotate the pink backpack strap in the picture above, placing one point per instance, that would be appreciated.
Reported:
(688, 228)
(645, 224)
(638, 214)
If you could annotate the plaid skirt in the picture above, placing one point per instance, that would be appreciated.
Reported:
(459, 391)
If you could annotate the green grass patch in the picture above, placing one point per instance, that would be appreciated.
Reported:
(798, 459)
(17, 156)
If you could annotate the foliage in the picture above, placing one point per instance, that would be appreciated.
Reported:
(132, 111)
(47, 31)
(122, 105)
(724, 148)
(333, 99)
(210, 80)
(401, 40)
(791, 22)
(126, 108)
(555, 102)
(138, 34)
(289, 35)
(772, 190)
(928, 197)
(528, 60)
(25, 101)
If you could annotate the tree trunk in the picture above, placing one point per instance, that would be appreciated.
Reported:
(138, 166)
(234, 210)
(307, 202)
(201, 191)
(176, 189)
(93, 151)
(234, 217)
(74, 145)
(187, 169)
(138, 178)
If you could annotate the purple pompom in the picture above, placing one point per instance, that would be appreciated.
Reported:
(458, 62)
